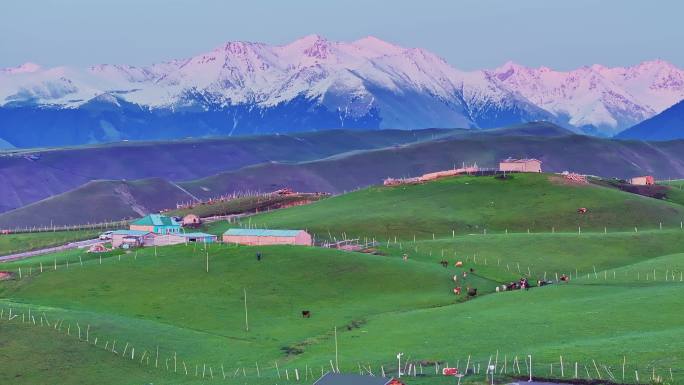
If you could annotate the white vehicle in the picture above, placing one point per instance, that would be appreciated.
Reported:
(107, 235)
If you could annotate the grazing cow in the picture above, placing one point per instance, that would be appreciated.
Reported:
(472, 291)
(457, 290)
(306, 314)
(564, 278)
(582, 210)
(524, 284)
(459, 264)
(444, 263)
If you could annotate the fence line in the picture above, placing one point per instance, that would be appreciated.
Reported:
(500, 366)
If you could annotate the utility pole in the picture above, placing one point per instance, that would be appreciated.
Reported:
(399, 366)
(246, 319)
(337, 362)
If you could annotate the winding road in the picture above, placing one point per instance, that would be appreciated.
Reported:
(33, 253)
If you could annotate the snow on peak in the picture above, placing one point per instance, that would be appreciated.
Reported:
(356, 75)
(27, 67)
(375, 47)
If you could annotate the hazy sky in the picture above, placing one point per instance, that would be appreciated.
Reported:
(467, 33)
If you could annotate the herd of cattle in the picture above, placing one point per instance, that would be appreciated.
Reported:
(522, 284)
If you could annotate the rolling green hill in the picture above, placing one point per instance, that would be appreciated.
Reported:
(164, 299)
(381, 305)
(331, 161)
(538, 202)
(559, 152)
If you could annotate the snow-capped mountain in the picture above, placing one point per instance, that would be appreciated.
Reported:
(598, 99)
(313, 83)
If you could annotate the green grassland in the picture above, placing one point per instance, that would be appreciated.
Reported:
(170, 301)
(534, 202)
(165, 300)
(15, 243)
(675, 193)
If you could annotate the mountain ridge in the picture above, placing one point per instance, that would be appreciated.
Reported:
(558, 148)
(314, 83)
(667, 125)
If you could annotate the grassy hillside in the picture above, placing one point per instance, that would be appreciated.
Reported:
(317, 166)
(98, 201)
(588, 155)
(247, 204)
(675, 191)
(618, 306)
(538, 202)
(15, 243)
(380, 304)
(54, 171)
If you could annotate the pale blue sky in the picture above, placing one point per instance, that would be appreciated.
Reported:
(467, 33)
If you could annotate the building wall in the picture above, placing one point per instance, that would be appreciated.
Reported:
(167, 240)
(530, 166)
(642, 180)
(117, 240)
(302, 238)
(157, 229)
(142, 228)
(191, 219)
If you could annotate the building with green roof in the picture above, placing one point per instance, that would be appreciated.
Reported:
(156, 223)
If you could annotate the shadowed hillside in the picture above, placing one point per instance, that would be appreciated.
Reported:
(98, 201)
(583, 154)
(557, 148)
(27, 176)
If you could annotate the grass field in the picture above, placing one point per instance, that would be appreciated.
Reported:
(623, 302)
(534, 202)
(200, 316)
(676, 191)
(15, 243)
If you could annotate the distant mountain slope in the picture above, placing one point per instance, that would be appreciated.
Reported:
(32, 175)
(313, 83)
(98, 201)
(584, 154)
(667, 125)
(556, 147)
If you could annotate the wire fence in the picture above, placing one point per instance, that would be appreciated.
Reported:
(497, 367)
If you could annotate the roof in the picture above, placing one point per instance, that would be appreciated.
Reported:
(351, 379)
(196, 235)
(263, 232)
(511, 160)
(135, 233)
(155, 220)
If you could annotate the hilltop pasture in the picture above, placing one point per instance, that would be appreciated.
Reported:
(538, 203)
